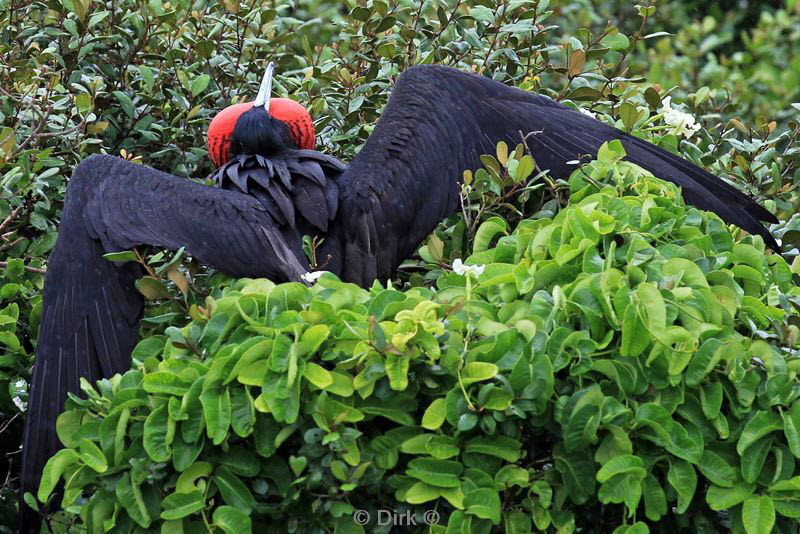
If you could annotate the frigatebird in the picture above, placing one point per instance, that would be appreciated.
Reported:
(274, 189)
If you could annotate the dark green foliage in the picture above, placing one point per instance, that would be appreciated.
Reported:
(142, 80)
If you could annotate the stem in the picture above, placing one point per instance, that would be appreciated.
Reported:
(470, 329)
(36, 270)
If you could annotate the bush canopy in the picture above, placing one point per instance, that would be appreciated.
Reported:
(570, 355)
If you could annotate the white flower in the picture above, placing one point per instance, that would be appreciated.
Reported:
(588, 113)
(312, 276)
(460, 268)
(18, 402)
(682, 123)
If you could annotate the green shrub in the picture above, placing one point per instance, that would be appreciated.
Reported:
(142, 79)
(618, 367)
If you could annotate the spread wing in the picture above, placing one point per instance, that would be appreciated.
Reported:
(91, 308)
(438, 121)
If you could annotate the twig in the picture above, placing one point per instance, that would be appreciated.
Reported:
(495, 37)
(36, 270)
(12, 244)
(6, 425)
(12, 216)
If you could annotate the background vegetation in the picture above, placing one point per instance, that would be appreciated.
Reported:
(143, 79)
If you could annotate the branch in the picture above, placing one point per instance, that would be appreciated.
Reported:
(12, 216)
(36, 270)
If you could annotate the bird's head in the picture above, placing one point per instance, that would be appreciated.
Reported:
(264, 126)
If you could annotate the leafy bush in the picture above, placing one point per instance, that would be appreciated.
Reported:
(142, 80)
(609, 368)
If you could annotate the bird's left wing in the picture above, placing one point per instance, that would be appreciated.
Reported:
(437, 123)
(91, 309)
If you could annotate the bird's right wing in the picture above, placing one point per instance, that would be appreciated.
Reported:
(91, 308)
(438, 122)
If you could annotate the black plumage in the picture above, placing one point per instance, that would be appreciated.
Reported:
(372, 215)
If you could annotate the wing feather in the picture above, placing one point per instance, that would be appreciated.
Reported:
(91, 308)
(438, 122)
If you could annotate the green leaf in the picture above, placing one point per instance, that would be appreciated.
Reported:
(690, 274)
(477, 372)
(298, 464)
(129, 495)
(435, 414)
(147, 77)
(317, 375)
(517, 522)
(397, 370)
(179, 505)
(216, 403)
(487, 231)
(498, 446)
(483, 503)
(719, 498)
(655, 500)
(635, 336)
(623, 464)
(420, 493)
(91, 455)
(615, 41)
(716, 469)
(200, 83)
(232, 520)
(127, 255)
(761, 424)
(683, 479)
(754, 458)
(151, 288)
(791, 428)
(234, 491)
(155, 438)
(512, 475)
(187, 482)
(125, 103)
(758, 514)
(67, 426)
(53, 470)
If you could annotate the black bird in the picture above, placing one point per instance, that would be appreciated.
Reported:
(373, 213)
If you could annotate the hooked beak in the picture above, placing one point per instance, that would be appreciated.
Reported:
(262, 99)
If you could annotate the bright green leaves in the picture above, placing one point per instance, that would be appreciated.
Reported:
(483, 503)
(477, 372)
(760, 425)
(91, 455)
(131, 498)
(683, 479)
(216, 402)
(758, 514)
(155, 438)
(791, 428)
(600, 358)
(233, 490)
(719, 498)
(621, 481)
(232, 520)
(434, 415)
(179, 505)
(439, 473)
(53, 471)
